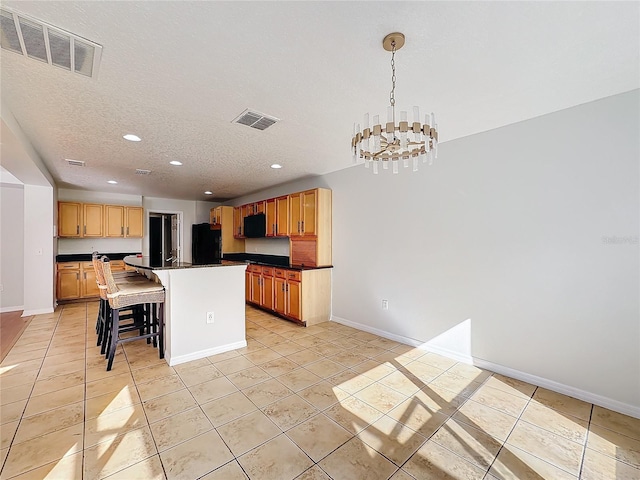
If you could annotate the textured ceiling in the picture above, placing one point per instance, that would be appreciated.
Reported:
(178, 73)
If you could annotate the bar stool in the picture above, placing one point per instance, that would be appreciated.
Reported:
(124, 296)
(102, 330)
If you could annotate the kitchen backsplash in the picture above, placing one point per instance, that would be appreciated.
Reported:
(267, 246)
(90, 245)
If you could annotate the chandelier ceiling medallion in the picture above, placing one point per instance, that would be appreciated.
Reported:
(392, 142)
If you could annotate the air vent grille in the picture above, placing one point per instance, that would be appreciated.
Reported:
(75, 163)
(46, 43)
(141, 171)
(254, 119)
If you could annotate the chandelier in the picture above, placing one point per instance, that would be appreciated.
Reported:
(392, 142)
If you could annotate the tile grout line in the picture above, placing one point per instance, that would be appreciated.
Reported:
(30, 392)
(586, 440)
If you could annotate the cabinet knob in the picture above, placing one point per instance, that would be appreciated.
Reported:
(302, 226)
(85, 229)
(127, 230)
(121, 230)
(298, 226)
(77, 229)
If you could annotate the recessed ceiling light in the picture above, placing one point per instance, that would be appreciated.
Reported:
(131, 137)
(276, 165)
(208, 193)
(112, 182)
(175, 162)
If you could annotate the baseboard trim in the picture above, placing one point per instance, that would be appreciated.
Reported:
(574, 392)
(11, 309)
(37, 311)
(460, 357)
(205, 353)
(589, 397)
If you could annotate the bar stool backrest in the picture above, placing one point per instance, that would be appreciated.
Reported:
(112, 287)
(97, 267)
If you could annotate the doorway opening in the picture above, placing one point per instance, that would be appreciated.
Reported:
(164, 237)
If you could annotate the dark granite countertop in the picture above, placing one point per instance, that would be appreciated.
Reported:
(86, 257)
(147, 264)
(268, 261)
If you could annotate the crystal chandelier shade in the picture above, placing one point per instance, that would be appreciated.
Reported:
(391, 142)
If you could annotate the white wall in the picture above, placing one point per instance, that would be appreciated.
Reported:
(167, 205)
(529, 231)
(267, 246)
(203, 209)
(102, 245)
(11, 247)
(39, 258)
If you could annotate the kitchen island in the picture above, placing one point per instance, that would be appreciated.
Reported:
(204, 306)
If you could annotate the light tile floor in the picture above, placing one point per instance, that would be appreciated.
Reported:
(323, 402)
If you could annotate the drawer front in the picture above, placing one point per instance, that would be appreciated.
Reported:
(69, 266)
(294, 275)
(268, 271)
(117, 265)
(87, 265)
(255, 268)
(279, 273)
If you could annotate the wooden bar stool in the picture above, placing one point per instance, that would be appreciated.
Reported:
(137, 295)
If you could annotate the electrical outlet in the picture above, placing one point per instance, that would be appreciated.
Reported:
(209, 317)
(385, 304)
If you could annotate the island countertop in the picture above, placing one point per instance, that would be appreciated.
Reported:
(145, 262)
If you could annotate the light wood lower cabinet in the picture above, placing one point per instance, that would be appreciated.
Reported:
(304, 296)
(77, 280)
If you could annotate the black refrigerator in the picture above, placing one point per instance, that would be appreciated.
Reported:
(206, 244)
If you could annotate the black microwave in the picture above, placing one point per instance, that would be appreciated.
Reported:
(255, 226)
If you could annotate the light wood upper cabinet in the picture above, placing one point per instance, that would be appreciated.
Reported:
(308, 211)
(215, 216)
(270, 212)
(295, 201)
(114, 221)
(134, 222)
(303, 213)
(93, 220)
(282, 216)
(69, 219)
(238, 223)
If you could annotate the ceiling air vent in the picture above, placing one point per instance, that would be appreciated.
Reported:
(141, 171)
(75, 163)
(46, 43)
(255, 119)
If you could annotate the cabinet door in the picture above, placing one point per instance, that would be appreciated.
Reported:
(308, 210)
(280, 295)
(238, 224)
(258, 207)
(69, 219)
(89, 284)
(93, 221)
(282, 216)
(114, 221)
(68, 284)
(134, 221)
(267, 292)
(294, 214)
(271, 217)
(294, 298)
(256, 288)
